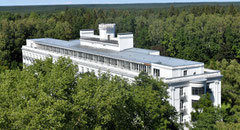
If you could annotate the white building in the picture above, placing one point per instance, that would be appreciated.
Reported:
(187, 80)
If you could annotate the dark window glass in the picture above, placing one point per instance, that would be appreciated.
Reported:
(197, 91)
(181, 91)
(100, 59)
(181, 117)
(181, 104)
(80, 54)
(75, 53)
(156, 72)
(184, 73)
(208, 89)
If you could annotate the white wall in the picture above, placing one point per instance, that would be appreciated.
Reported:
(190, 71)
(86, 33)
(125, 41)
(105, 30)
(165, 72)
(171, 72)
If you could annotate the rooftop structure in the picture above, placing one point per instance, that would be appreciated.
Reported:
(106, 38)
(187, 80)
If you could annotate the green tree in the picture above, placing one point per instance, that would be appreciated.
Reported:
(206, 115)
(49, 95)
(37, 97)
(230, 87)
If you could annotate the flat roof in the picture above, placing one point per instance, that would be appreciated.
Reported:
(133, 54)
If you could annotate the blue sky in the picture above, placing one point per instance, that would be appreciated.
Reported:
(51, 2)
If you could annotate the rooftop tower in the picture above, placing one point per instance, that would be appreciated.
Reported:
(106, 31)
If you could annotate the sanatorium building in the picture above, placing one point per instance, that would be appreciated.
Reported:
(105, 52)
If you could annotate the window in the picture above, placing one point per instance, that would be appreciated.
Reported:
(142, 68)
(156, 72)
(80, 54)
(75, 53)
(120, 63)
(100, 59)
(149, 69)
(181, 91)
(70, 52)
(127, 65)
(106, 60)
(185, 73)
(181, 104)
(95, 58)
(65, 51)
(197, 91)
(61, 51)
(57, 50)
(48, 48)
(134, 66)
(89, 56)
(84, 55)
(181, 118)
(53, 49)
(113, 62)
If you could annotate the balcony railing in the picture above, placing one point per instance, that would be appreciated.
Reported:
(183, 110)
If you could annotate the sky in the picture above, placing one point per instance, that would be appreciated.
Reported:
(54, 2)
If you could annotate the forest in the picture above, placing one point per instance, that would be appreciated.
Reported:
(50, 94)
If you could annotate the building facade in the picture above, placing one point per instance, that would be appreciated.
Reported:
(105, 52)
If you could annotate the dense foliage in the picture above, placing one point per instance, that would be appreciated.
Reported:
(197, 33)
(51, 95)
(206, 115)
(230, 87)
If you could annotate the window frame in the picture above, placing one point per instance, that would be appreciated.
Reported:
(197, 91)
